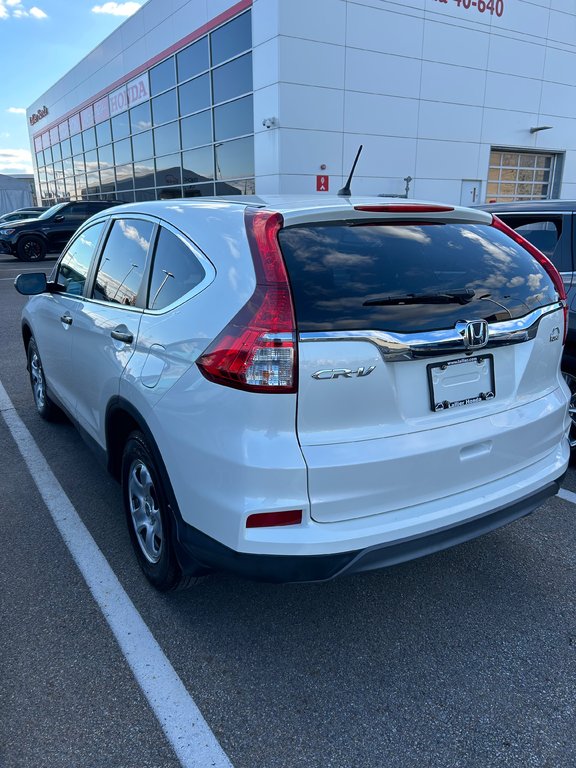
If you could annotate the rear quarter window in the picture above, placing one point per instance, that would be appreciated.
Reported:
(409, 278)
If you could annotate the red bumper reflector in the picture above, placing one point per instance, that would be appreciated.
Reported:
(271, 519)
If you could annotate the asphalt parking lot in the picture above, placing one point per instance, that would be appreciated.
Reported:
(464, 659)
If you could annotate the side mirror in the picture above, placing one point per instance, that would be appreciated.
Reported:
(60, 217)
(31, 283)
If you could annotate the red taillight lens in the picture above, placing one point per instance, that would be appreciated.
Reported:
(541, 259)
(257, 349)
(272, 519)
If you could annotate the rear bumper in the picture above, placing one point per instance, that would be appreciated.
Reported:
(195, 547)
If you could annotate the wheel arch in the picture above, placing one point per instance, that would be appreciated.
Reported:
(122, 418)
(26, 335)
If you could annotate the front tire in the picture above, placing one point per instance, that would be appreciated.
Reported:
(570, 379)
(46, 408)
(31, 248)
(149, 517)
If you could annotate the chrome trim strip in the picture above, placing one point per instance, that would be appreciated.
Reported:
(395, 347)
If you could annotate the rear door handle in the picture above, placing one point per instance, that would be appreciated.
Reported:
(121, 333)
(66, 319)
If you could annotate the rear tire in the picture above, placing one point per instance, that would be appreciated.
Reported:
(149, 517)
(46, 408)
(31, 248)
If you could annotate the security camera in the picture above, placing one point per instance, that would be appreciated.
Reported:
(269, 122)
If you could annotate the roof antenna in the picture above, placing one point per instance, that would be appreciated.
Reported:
(346, 191)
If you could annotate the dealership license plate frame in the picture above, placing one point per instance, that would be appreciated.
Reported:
(446, 392)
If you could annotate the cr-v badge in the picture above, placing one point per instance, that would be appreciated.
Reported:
(345, 373)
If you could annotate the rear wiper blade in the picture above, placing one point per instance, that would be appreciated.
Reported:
(446, 297)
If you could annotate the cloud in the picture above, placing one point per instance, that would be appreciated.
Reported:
(15, 9)
(15, 161)
(16, 110)
(117, 9)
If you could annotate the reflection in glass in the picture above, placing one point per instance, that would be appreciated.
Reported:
(91, 161)
(373, 276)
(93, 183)
(103, 133)
(231, 39)
(105, 155)
(144, 174)
(124, 177)
(107, 179)
(140, 119)
(162, 77)
(56, 152)
(175, 272)
(143, 195)
(79, 165)
(167, 139)
(193, 60)
(122, 152)
(120, 272)
(168, 171)
(89, 138)
(197, 165)
(48, 155)
(142, 146)
(120, 126)
(232, 79)
(66, 147)
(233, 119)
(196, 129)
(237, 187)
(165, 107)
(235, 159)
(75, 263)
(194, 95)
(199, 190)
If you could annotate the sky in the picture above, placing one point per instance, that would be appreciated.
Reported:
(41, 40)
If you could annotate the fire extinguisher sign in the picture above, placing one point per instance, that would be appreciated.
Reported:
(322, 183)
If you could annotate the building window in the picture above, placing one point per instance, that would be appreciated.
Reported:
(193, 60)
(514, 175)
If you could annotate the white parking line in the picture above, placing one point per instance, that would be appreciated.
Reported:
(180, 719)
(567, 495)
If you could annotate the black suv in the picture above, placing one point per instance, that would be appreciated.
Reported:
(550, 225)
(32, 239)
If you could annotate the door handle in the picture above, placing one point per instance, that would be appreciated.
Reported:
(66, 319)
(121, 333)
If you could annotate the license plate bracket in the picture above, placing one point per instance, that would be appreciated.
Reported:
(466, 381)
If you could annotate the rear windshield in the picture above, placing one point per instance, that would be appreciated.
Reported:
(407, 279)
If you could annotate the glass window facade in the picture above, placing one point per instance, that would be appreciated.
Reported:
(194, 136)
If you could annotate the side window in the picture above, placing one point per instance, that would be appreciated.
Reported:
(123, 260)
(176, 271)
(544, 234)
(75, 212)
(75, 262)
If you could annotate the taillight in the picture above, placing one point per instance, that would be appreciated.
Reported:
(256, 351)
(541, 259)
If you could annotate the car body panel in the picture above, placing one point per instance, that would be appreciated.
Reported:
(359, 448)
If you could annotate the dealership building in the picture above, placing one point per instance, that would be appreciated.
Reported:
(456, 100)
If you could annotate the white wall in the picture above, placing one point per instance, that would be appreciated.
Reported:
(426, 86)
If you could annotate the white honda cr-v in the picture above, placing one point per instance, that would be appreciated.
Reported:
(293, 389)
